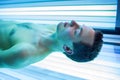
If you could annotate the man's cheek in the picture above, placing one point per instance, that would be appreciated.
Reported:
(72, 37)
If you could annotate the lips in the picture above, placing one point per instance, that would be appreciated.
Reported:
(65, 24)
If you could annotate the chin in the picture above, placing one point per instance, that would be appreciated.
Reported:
(59, 26)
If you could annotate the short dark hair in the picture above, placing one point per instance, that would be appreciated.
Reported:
(84, 53)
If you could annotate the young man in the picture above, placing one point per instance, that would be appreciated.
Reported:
(22, 44)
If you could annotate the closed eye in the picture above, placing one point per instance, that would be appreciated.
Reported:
(77, 32)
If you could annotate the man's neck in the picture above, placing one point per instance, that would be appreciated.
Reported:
(51, 43)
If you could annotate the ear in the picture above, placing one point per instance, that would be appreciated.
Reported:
(67, 50)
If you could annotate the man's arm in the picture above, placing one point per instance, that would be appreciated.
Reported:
(18, 56)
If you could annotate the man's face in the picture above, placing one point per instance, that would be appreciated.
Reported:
(68, 33)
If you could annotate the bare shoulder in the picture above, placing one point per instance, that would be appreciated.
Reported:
(5, 29)
(12, 33)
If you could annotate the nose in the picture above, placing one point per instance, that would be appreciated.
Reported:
(74, 24)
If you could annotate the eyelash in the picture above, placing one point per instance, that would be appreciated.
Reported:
(75, 32)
